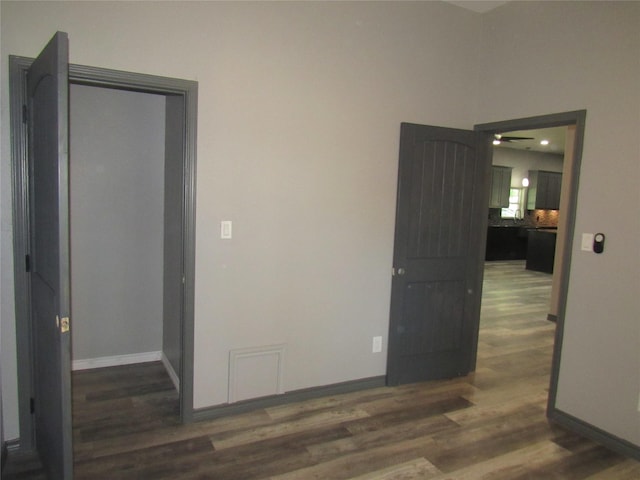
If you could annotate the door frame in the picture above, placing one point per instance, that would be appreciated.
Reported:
(575, 118)
(115, 79)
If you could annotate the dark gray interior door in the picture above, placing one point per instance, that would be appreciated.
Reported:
(48, 89)
(438, 253)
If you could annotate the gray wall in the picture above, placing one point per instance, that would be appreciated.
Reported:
(117, 183)
(298, 126)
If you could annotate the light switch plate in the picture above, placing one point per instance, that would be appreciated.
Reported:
(377, 345)
(587, 242)
(225, 229)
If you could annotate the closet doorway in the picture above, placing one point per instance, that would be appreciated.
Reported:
(151, 207)
(116, 197)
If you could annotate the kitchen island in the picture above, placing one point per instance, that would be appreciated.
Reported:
(541, 249)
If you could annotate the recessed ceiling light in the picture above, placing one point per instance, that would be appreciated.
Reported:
(544, 142)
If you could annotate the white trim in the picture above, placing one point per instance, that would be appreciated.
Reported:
(172, 373)
(115, 360)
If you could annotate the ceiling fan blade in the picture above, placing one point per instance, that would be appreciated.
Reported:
(514, 139)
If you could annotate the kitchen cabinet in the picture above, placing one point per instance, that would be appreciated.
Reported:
(500, 185)
(506, 242)
(541, 250)
(544, 190)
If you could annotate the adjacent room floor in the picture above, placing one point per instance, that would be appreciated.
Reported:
(488, 425)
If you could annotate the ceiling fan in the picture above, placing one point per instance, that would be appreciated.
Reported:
(505, 138)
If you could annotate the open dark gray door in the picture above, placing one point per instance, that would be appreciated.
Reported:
(48, 91)
(438, 253)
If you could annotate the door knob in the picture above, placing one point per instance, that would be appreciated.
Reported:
(401, 271)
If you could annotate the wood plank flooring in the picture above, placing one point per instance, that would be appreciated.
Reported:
(488, 425)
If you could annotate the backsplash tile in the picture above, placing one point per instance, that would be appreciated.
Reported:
(532, 218)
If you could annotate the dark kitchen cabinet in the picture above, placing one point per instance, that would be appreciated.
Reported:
(541, 250)
(506, 243)
(500, 185)
(544, 190)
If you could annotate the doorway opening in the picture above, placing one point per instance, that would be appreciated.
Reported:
(562, 225)
(515, 339)
(173, 230)
(116, 177)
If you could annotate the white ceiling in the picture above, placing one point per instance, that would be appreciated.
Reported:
(480, 6)
(555, 136)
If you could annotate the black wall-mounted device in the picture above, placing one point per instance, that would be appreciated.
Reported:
(598, 242)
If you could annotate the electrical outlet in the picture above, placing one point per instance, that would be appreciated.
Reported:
(377, 345)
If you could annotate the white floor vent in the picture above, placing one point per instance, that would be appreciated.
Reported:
(256, 372)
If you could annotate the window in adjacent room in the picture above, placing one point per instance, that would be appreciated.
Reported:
(515, 209)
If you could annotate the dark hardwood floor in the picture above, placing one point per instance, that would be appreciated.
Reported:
(488, 425)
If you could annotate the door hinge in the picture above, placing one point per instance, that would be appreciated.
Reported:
(25, 114)
(32, 405)
(27, 263)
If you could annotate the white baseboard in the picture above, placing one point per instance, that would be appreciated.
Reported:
(115, 360)
(172, 373)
